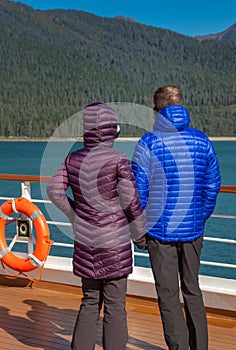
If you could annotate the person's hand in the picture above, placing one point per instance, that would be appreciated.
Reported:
(141, 243)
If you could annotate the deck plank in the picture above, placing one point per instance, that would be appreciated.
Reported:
(43, 319)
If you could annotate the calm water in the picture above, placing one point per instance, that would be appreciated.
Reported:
(34, 158)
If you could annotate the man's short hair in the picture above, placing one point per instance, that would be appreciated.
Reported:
(166, 96)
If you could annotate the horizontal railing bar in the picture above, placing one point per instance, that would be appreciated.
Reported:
(38, 178)
(58, 223)
(223, 216)
(145, 255)
(66, 245)
(231, 266)
(57, 244)
(221, 240)
(45, 201)
(227, 189)
(30, 178)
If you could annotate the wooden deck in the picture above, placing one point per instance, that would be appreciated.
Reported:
(43, 316)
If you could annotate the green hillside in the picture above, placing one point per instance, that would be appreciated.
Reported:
(53, 63)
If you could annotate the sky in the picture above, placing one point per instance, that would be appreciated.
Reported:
(186, 17)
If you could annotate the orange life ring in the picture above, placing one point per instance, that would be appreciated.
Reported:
(43, 242)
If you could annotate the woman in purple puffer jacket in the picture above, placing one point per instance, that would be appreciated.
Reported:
(105, 213)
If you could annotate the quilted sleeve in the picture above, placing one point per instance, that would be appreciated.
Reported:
(130, 201)
(141, 169)
(212, 182)
(56, 191)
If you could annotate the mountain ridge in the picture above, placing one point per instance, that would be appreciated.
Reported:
(227, 34)
(129, 19)
(218, 36)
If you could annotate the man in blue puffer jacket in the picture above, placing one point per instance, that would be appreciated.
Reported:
(178, 179)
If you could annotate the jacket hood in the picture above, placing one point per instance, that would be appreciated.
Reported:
(100, 124)
(172, 118)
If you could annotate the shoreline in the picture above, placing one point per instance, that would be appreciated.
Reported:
(120, 139)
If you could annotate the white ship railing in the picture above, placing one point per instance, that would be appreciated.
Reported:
(26, 190)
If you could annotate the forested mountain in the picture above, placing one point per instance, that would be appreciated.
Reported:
(53, 63)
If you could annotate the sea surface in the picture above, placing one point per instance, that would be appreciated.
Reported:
(42, 158)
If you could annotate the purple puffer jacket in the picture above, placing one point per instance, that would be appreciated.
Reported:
(105, 211)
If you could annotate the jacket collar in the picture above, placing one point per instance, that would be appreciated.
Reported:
(172, 118)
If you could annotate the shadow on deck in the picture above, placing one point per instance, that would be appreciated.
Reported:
(42, 317)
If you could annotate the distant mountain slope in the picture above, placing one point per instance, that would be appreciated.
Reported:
(53, 63)
(126, 18)
(228, 34)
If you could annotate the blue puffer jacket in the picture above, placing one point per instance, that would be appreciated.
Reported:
(177, 175)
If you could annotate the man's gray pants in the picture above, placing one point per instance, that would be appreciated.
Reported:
(171, 262)
(111, 292)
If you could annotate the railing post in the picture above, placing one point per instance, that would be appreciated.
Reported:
(25, 190)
